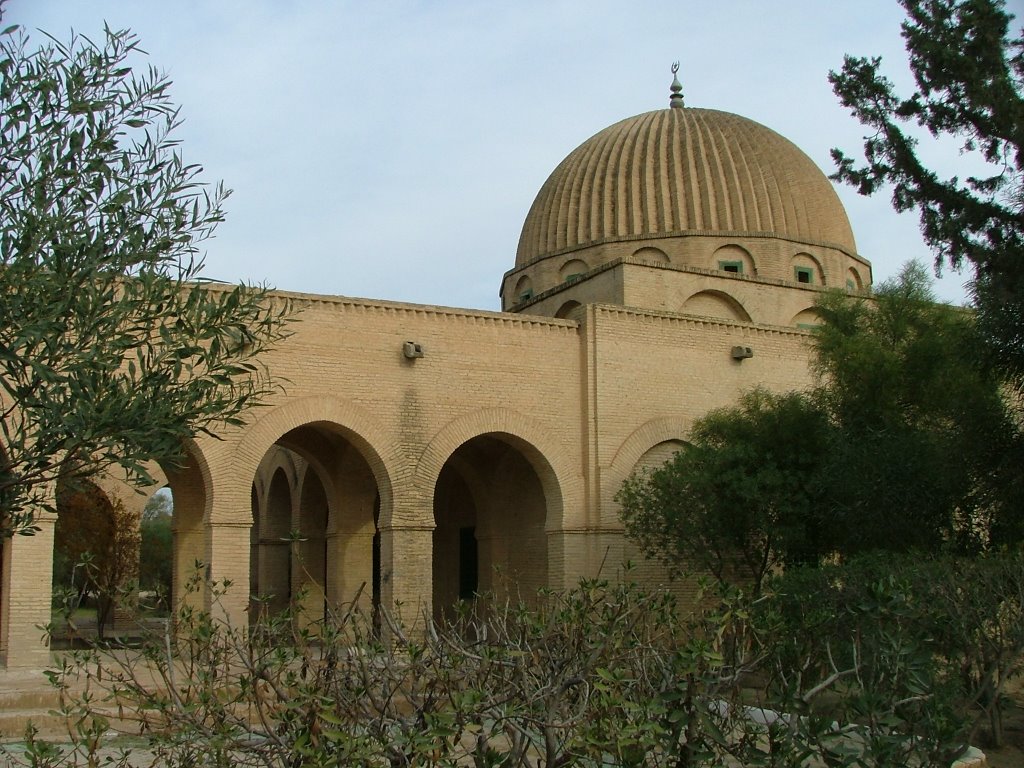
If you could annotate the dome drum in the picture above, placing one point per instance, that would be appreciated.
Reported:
(634, 284)
(760, 256)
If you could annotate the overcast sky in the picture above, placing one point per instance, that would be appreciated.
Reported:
(392, 149)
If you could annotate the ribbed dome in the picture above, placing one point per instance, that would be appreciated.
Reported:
(683, 170)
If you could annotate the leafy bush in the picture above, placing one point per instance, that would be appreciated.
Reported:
(960, 622)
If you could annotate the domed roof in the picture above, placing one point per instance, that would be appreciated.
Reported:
(681, 171)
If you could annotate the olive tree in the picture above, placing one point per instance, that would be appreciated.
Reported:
(113, 349)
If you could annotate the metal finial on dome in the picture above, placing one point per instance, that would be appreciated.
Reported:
(676, 99)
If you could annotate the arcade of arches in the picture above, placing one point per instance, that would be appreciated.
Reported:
(419, 455)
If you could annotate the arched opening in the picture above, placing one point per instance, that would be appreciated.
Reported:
(272, 586)
(489, 513)
(715, 304)
(156, 554)
(315, 541)
(100, 516)
(310, 565)
(456, 554)
(95, 556)
(189, 481)
(567, 309)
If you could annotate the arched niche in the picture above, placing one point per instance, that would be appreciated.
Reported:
(568, 309)
(573, 269)
(524, 289)
(652, 255)
(807, 318)
(854, 282)
(806, 269)
(734, 259)
(715, 304)
(658, 454)
(652, 572)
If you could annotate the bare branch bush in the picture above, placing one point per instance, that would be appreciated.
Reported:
(600, 675)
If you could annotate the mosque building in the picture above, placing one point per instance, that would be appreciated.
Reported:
(424, 454)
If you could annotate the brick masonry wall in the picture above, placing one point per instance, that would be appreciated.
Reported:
(27, 578)
(578, 401)
(590, 398)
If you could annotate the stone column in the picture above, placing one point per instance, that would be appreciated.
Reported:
(350, 560)
(25, 596)
(228, 547)
(406, 579)
(189, 551)
(189, 539)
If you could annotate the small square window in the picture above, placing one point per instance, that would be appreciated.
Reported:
(804, 275)
(526, 295)
(735, 267)
(851, 286)
(573, 277)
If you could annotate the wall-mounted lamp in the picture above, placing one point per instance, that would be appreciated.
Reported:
(412, 350)
(742, 353)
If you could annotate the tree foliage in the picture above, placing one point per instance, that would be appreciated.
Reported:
(907, 443)
(112, 349)
(926, 445)
(969, 75)
(156, 558)
(736, 499)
